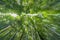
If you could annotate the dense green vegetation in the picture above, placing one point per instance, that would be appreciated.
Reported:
(29, 19)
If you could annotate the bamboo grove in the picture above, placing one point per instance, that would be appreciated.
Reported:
(29, 19)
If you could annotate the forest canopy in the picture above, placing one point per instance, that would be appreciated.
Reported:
(29, 19)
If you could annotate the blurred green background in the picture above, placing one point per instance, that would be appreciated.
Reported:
(29, 19)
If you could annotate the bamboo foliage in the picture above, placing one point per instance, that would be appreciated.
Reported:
(29, 20)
